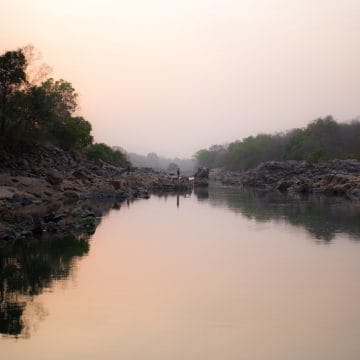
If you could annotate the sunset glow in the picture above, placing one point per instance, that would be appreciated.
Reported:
(175, 76)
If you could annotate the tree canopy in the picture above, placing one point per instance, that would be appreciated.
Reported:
(105, 153)
(35, 109)
(321, 140)
(12, 76)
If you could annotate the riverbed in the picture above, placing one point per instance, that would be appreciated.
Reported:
(216, 274)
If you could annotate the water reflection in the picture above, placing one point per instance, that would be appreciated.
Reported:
(322, 217)
(27, 269)
(177, 195)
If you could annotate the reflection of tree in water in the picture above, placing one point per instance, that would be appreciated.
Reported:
(171, 194)
(26, 269)
(323, 217)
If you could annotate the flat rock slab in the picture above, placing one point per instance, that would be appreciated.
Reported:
(7, 192)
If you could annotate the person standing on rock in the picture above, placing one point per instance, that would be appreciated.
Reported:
(178, 172)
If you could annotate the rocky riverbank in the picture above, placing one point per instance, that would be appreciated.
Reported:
(50, 190)
(336, 177)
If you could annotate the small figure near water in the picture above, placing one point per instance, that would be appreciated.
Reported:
(178, 172)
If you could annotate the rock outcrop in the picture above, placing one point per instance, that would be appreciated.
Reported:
(336, 177)
(201, 177)
(47, 182)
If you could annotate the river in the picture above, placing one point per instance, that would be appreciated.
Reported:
(216, 274)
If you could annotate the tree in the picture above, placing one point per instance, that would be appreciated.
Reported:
(321, 140)
(72, 133)
(60, 97)
(12, 77)
(32, 112)
(36, 71)
(153, 160)
(203, 158)
(172, 167)
(106, 153)
(44, 113)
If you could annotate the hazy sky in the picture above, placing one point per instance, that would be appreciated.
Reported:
(172, 76)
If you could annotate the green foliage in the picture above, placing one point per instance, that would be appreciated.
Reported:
(100, 151)
(12, 77)
(32, 112)
(294, 147)
(316, 157)
(252, 150)
(321, 140)
(72, 133)
(211, 158)
(203, 157)
(60, 97)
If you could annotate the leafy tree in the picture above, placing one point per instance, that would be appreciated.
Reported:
(294, 148)
(321, 140)
(203, 157)
(153, 160)
(213, 157)
(12, 77)
(32, 111)
(52, 105)
(72, 133)
(44, 113)
(101, 151)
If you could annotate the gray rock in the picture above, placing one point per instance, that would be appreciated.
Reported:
(201, 177)
(54, 177)
(353, 194)
(80, 174)
(71, 196)
(8, 235)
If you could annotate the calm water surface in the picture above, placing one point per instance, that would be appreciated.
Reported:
(219, 274)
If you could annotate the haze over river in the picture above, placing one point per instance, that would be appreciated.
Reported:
(218, 274)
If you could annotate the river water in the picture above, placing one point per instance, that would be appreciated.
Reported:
(218, 274)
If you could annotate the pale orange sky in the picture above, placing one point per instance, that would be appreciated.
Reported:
(172, 76)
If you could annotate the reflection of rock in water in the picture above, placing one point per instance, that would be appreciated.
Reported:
(201, 193)
(27, 269)
(323, 217)
(177, 194)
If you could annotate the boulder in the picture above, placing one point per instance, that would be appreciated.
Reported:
(80, 174)
(54, 177)
(6, 192)
(7, 235)
(353, 194)
(71, 196)
(336, 177)
(201, 177)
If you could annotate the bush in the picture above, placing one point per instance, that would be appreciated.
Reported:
(100, 151)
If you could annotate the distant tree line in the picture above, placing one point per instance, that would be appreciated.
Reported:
(321, 140)
(35, 109)
(162, 163)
